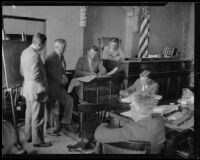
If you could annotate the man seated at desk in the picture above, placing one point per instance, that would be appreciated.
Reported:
(88, 65)
(145, 127)
(143, 84)
(113, 51)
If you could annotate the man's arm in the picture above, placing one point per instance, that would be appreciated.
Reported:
(132, 88)
(101, 68)
(155, 88)
(36, 68)
(121, 54)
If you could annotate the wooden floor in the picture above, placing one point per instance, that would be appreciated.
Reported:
(59, 144)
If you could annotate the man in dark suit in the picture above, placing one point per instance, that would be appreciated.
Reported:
(35, 90)
(145, 127)
(57, 80)
(143, 84)
(88, 65)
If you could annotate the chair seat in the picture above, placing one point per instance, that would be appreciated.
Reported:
(132, 147)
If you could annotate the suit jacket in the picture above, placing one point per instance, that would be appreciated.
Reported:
(153, 87)
(150, 129)
(35, 87)
(55, 72)
(82, 67)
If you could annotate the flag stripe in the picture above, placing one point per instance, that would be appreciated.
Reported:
(144, 35)
(143, 47)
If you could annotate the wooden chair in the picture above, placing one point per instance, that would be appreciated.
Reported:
(131, 147)
(180, 144)
(185, 145)
(91, 116)
(103, 41)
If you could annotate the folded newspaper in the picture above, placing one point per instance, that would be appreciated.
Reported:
(77, 81)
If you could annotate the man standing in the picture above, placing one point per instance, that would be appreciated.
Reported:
(35, 90)
(57, 80)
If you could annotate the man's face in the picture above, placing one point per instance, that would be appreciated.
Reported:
(113, 45)
(40, 46)
(92, 54)
(60, 49)
(144, 80)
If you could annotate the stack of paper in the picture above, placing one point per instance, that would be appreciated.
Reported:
(165, 109)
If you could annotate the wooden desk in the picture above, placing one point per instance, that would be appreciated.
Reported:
(172, 75)
(99, 87)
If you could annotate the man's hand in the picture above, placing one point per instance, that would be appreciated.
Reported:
(99, 74)
(123, 93)
(93, 73)
(117, 58)
(64, 80)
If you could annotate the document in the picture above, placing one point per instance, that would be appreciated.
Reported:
(79, 80)
(127, 114)
(113, 71)
(85, 78)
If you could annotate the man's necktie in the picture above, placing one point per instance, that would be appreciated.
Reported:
(63, 62)
(91, 66)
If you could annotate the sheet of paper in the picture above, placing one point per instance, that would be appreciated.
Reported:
(85, 78)
(77, 81)
(187, 123)
(111, 72)
(127, 114)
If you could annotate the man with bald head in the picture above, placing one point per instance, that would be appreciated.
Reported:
(144, 127)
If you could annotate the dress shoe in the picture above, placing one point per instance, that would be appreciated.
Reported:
(42, 145)
(55, 133)
(68, 127)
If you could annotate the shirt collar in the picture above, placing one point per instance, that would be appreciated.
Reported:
(32, 45)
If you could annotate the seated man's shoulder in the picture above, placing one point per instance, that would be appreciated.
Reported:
(106, 47)
(152, 82)
(81, 58)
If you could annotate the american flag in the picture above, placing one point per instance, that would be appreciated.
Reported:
(144, 33)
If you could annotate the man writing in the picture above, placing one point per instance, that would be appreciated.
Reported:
(88, 65)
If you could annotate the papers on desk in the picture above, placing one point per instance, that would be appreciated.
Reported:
(165, 109)
(85, 78)
(113, 71)
(180, 123)
(127, 114)
(77, 81)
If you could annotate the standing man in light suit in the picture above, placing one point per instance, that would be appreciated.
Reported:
(35, 90)
(57, 80)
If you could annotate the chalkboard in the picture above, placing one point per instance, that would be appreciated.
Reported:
(11, 52)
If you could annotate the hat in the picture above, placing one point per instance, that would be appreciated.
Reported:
(145, 73)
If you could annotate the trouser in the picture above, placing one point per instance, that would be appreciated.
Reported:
(34, 121)
(53, 110)
(79, 91)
